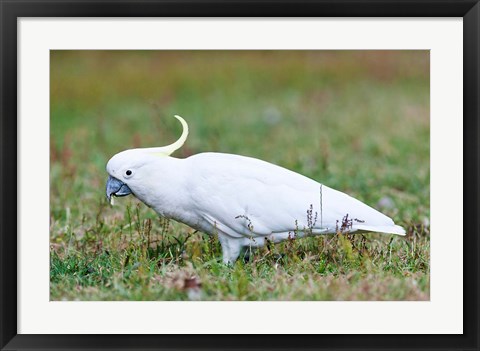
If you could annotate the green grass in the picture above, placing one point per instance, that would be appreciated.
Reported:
(355, 121)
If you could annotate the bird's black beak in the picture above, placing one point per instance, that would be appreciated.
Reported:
(117, 188)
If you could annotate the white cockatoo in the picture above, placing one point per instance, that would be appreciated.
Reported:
(243, 200)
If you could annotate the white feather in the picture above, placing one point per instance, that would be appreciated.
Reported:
(243, 200)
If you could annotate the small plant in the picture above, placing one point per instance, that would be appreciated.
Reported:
(311, 220)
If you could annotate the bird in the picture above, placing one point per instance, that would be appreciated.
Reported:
(244, 201)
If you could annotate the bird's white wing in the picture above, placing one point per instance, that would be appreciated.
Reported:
(245, 196)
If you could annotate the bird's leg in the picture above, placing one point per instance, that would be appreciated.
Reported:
(230, 248)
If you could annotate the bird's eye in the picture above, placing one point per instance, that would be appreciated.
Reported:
(128, 172)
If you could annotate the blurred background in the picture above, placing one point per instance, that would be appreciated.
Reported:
(357, 121)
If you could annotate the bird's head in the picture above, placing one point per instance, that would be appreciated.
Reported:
(129, 170)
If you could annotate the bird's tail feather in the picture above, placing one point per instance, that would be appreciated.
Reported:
(389, 229)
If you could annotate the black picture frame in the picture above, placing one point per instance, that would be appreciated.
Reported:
(12, 10)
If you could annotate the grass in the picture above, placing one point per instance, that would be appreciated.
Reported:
(355, 121)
